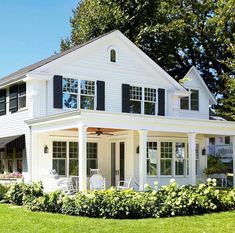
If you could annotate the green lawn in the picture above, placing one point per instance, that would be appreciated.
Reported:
(17, 219)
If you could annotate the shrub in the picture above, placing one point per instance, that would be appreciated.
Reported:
(3, 190)
(21, 193)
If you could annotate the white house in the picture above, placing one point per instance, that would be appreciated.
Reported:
(105, 104)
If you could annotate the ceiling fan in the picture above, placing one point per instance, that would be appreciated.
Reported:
(99, 132)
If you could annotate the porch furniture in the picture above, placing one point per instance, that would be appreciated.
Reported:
(95, 171)
(220, 177)
(97, 182)
(125, 184)
(65, 184)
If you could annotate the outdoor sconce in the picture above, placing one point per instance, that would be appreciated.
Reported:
(204, 151)
(138, 149)
(46, 149)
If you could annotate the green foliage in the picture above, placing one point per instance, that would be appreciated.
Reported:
(21, 193)
(215, 165)
(169, 200)
(3, 191)
(199, 33)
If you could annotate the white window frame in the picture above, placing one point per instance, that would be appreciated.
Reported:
(78, 94)
(189, 100)
(22, 96)
(112, 47)
(143, 99)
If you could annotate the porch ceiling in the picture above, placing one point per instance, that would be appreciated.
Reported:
(93, 130)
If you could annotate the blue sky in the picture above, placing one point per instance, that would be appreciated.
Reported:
(31, 30)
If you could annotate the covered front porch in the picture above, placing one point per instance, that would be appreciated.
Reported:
(148, 149)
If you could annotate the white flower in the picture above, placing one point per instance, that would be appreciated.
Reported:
(172, 180)
(156, 183)
(214, 180)
(146, 186)
(209, 180)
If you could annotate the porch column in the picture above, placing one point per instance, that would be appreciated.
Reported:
(233, 142)
(142, 158)
(192, 157)
(82, 158)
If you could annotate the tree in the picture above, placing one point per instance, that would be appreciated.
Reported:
(176, 34)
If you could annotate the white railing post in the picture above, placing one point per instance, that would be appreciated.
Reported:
(233, 142)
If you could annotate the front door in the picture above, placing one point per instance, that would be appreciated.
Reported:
(117, 162)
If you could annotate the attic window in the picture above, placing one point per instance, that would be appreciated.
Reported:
(113, 55)
(191, 102)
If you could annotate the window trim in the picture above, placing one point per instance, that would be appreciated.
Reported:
(78, 94)
(110, 48)
(143, 101)
(68, 140)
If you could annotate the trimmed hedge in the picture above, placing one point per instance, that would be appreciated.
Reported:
(165, 201)
(3, 191)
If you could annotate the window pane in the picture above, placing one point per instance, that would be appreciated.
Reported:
(135, 106)
(70, 85)
(194, 100)
(180, 150)
(10, 166)
(149, 108)
(135, 93)
(87, 102)
(69, 100)
(113, 55)
(184, 103)
(166, 150)
(22, 102)
(59, 149)
(73, 149)
(22, 89)
(87, 87)
(60, 166)
(166, 168)
(73, 167)
(92, 150)
(91, 164)
(19, 165)
(152, 158)
(150, 94)
(179, 167)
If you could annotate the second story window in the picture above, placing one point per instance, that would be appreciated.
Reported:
(113, 55)
(191, 102)
(78, 93)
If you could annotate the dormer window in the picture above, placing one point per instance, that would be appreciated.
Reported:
(191, 102)
(113, 55)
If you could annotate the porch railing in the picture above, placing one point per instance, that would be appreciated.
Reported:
(222, 151)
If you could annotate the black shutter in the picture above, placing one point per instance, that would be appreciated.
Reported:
(100, 95)
(3, 102)
(13, 99)
(58, 93)
(161, 102)
(125, 98)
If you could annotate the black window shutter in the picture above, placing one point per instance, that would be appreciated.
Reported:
(100, 95)
(3, 102)
(13, 99)
(125, 98)
(161, 102)
(58, 92)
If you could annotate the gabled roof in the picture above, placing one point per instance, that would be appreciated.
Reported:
(19, 74)
(193, 69)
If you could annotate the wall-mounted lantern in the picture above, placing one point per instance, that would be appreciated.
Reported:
(46, 149)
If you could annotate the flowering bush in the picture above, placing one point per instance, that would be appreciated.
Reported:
(165, 201)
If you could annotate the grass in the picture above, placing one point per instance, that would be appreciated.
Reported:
(18, 219)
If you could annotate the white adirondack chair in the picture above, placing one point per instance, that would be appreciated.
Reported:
(64, 184)
(125, 184)
(97, 182)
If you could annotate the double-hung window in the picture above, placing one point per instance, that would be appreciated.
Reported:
(166, 158)
(152, 158)
(142, 100)
(87, 94)
(73, 158)
(92, 152)
(135, 99)
(191, 102)
(78, 94)
(180, 158)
